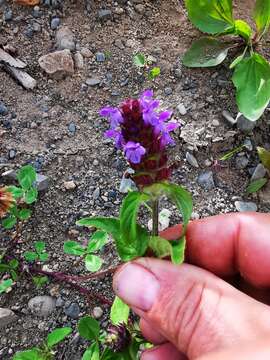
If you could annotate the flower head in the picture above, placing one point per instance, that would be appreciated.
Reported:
(6, 201)
(118, 337)
(143, 133)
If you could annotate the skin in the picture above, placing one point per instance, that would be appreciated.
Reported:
(214, 307)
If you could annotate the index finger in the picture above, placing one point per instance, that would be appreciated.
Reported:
(228, 244)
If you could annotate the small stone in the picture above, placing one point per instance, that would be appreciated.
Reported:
(244, 124)
(215, 122)
(79, 62)
(181, 109)
(36, 27)
(104, 14)
(248, 144)
(86, 52)
(206, 180)
(92, 81)
(119, 44)
(65, 39)
(95, 162)
(140, 8)
(3, 109)
(57, 64)
(12, 154)
(227, 116)
(42, 306)
(8, 15)
(72, 128)
(126, 185)
(69, 185)
(59, 302)
(168, 91)
(118, 11)
(55, 22)
(96, 193)
(243, 206)
(100, 57)
(73, 233)
(6, 317)
(192, 160)
(73, 311)
(241, 162)
(259, 173)
(42, 182)
(97, 312)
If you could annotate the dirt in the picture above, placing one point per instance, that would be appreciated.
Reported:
(36, 127)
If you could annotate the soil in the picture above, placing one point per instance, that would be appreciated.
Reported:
(37, 128)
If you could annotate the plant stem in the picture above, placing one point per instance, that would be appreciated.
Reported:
(155, 219)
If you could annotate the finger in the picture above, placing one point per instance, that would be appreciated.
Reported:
(189, 305)
(163, 352)
(151, 334)
(230, 243)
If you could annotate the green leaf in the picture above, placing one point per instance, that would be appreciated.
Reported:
(13, 274)
(109, 225)
(178, 251)
(237, 60)
(153, 73)
(242, 29)
(26, 177)
(139, 60)
(134, 238)
(13, 263)
(73, 248)
(89, 328)
(30, 256)
(24, 214)
(16, 192)
(206, 52)
(92, 353)
(161, 247)
(252, 81)
(32, 354)
(39, 246)
(264, 156)
(5, 284)
(262, 16)
(57, 336)
(97, 241)
(256, 185)
(210, 16)
(9, 222)
(43, 257)
(119, 312)
(39, 281)
(31, 196)
(93, 263)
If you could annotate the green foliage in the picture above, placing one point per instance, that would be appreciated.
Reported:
(10, 267)
(26, 177)
(144, 62)
(32, 354)
(89, 328)
(139, 60)
(153, 73)
(264, 156)
(39, 254)
(39, 281)
(92, 353)
(256, 185)
(242, 29)
(119, 312)
(57, 336)
(262, 16)
(5, 285)
(231, 153)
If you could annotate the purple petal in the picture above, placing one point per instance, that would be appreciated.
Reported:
(106, 111)
(134, 152)
(172, 126)
(147, 93)
(165, 115)
(117, 136)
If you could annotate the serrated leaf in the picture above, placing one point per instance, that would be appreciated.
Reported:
(9, 222)
(139, 60)
(262, 15)
(31, 196)
(119, 312)
(39, 246)
(97, 241)
(16, 192)
(57, 336)
(5, 284)
(256, 185)
(252, 81)
(264, 156)
(93, 263)
(24, 214)
(32, 354)
(26, 177)
(39, 281)
(30, 256)
(206, 52)
(92, 353)
(73, 248)
(153, 73)
(242, 29)
(210, 16)
(89, 328)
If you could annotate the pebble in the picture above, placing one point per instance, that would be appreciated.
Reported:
(206, 180)
(244, 124)
(241, 162)
(78, 60)
(59, 302)
(11, 154)
(7, 316)
(192, 160)
(139, 8)
(86, 52)
(96, 193)
(92, 81)
(182, 109)
(8, 15)
(42, 306)
(69, 185)
(65, 39)
(215, 122)
(104, 14)
(228, 116)
(248, 144)
(72, 128)
(55, 22)
(3, 109)
(100, 57)
(259, 173)
(73, 311)
(97, 312)
(118, 11)
(243, 206)
(57, 64)
(168, 91)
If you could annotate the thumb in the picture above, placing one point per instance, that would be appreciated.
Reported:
(190, 307)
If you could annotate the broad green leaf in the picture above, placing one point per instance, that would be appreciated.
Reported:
(92, 353)
(119, 312)
(26, 177)
(264, 156)
(16, 191)
(93, 263)
(134, 238)
(31, 196)
(153, 73)
(262, 15)
(206, 52)
(9, 222)
(97, 241)
(252, 81)
(32, 354)
(39, 281)
(13, 263)
(39, 246)
(110, 226)
(57, 336)
(43, 257)
(89, 328)
(161, 247)
(24, 214)
(242, 29)
(73, 248)
(4, 268)
(256, 185)
(139, 60)
(210, 16)
(5, 284)
(30, 256)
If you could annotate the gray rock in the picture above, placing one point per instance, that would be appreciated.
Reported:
(100, 57)
(259, 173)
(248, 144)
(65, 39)
(57, 64)
(168, 91)
(72, 128)
(93, 81)
(244, 124)
(42, 182)
(59, 302)
(8, 15)
(12, 154)
(182, 109)
(42, 306)
(79, 62)
(228, 116)
(206, 180)
(104, 14)
(6, 317)
(73, 311)
(192, 160)
(3, 109)
(97, 312)
(243, 206)
(241, 162)
(96, 193)
(139, 8)
(55, 22)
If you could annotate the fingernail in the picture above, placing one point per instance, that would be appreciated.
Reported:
(136, 286)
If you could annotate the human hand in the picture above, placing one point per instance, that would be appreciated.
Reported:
(189, 311)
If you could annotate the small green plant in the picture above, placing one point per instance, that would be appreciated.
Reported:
(5, 285)
(39, 254)
(251, 70)
(257, 185)
(144, 62)
(46, 351)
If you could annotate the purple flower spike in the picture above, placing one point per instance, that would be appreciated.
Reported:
(134, 152)
(117, 136)
(114, 114)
